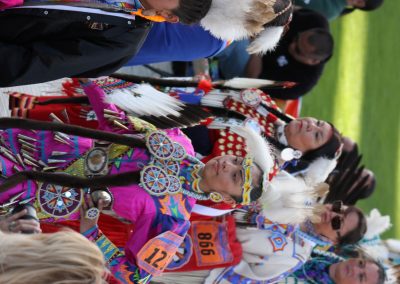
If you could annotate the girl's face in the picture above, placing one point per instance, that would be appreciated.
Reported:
(307, 133)
(225, 175)
(355, 271)
(348, 222)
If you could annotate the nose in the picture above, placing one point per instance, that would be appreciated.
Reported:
(355, 270)
(312, 125)
(228, 165)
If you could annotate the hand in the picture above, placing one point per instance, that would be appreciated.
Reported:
(83, 80)
(14, 224)
(87, 223)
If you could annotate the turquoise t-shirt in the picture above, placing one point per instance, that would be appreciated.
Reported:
(331, 9)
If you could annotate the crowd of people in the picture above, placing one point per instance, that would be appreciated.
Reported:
(129, 179)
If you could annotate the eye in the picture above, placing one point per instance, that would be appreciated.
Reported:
(319, 123)
(234, 176)
(236, 160)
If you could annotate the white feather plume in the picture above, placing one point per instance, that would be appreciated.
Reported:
(257, 147)
(287, 200)
(226, 19)
(214, 99)
(319, 170)
(266, 41)
(143, 99)
(376, 224)
(378, 251)
(247, 83)
(393, 245)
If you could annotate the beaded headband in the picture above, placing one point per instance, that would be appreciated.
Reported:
(247, 187)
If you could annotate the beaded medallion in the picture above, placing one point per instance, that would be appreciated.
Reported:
(58, 201)
(251, 97)
(171, 166)
(155, 180)
(160, 145)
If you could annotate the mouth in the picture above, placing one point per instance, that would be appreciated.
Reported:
(324, 217)
(347, 270)
(216, 167)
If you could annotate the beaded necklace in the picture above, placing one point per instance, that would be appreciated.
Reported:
(310, 235)
(190, 178)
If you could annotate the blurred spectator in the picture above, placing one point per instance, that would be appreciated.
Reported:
(300, 56)
(64, 257)
(332, 9)
(16, 224)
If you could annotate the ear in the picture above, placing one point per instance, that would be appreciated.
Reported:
(313, 61)
(168, 16)
(229, 200)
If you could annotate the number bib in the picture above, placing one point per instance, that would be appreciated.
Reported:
(157, 253)
(211, 244)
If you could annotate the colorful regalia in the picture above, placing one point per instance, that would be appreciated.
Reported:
(161, 221)
(270, 253)
(251, 103)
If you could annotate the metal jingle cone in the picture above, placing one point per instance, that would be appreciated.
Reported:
(120, 125)
(55, 118)
(24, 137)
(65, 115)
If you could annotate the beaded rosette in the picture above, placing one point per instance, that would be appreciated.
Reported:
(58, 201)
(161, 176)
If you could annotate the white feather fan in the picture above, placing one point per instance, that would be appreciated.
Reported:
(143, 99)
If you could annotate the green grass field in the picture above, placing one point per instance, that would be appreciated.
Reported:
(359, 93)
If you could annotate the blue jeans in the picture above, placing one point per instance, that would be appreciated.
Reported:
(233, 60)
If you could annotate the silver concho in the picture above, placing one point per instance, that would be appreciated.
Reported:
(96, 162)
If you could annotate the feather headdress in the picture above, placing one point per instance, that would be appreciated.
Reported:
(285, 199)
(241, 19)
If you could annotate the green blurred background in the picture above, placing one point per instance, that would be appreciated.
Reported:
(358, 92)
